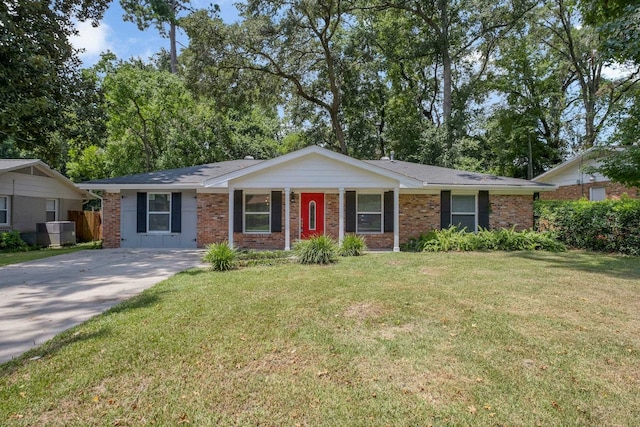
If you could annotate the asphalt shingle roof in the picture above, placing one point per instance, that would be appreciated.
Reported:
(436, 175)
(189, 175)
(432, 175)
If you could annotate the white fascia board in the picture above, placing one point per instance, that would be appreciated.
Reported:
(506, 189)
(156, 187)
(223, 181)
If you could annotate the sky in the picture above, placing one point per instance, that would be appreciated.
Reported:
(126, 40)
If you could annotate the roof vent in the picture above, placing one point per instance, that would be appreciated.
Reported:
(248, 158)
(384, 158)
(393, 153)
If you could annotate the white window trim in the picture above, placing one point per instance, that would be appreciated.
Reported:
(475, 210)
(358, 212)
(245, 213)
(8, 199)
(149, 213)
(56, 217)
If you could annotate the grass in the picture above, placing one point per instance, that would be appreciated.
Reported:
(7, 258)
(383, 339)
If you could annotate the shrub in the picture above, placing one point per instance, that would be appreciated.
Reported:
(606, 226)
(352, 245)
(221, 256)
(11, 241)
(454, 239)
(317, 250)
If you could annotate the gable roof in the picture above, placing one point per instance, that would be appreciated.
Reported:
(219, 175)
(11, 165)
(405, 181)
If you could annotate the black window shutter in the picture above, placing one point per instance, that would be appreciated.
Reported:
(176, 212)
(276, 211)
(445, 209)
(350, 212)
(388, 211)
(483, 209)
(237, 211)
(142, 213)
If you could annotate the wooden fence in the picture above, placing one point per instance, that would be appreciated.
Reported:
(88, 225)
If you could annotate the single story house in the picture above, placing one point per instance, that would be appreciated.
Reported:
(574, 183)
(268, 204)
(31, 192)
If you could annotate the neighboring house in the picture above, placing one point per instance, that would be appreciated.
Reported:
(31, 193)
(574, 183)
(268, 204)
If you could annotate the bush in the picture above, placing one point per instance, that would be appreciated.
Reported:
(352, 245)
(221, 256)
(317, 250)
(454, 239)
(606, 226)
(11, 241)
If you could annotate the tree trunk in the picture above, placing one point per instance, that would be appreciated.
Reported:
(174, 51)
(446, 72)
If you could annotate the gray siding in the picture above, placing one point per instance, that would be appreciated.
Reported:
(132, 239)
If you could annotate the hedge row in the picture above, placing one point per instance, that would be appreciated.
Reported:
(607, 226)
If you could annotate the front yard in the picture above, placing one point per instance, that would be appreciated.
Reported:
(386, 339)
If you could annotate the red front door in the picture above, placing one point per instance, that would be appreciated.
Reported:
(311, 214)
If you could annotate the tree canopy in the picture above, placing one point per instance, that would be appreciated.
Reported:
(503, 87)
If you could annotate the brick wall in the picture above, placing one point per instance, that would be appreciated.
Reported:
(578, 191)
(111, 220)
(510, 211)
(213, 218)
(418, 213)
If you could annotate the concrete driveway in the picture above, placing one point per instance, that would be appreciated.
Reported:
(39, 299)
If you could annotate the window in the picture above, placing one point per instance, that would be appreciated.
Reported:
(4, 210)
(159, 211)
(257, 213)
(463, 211)
(597, 194)
(312, 215)
(369, 213)
(51, 210)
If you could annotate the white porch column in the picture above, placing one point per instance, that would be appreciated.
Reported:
(396, 219)
(231, 215)
(341, 215)
(287, 219)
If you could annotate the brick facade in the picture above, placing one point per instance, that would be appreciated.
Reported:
(578, 191)
(418, 213)
(212, 213)
(111, 220)
(510, 211)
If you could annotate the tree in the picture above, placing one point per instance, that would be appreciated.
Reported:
(452, 45)
(38, 71)
(579, 45)
(159, 13)
(622, 166)
(294, 41)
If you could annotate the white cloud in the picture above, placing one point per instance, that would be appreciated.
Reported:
(617, 71)
(92, 40)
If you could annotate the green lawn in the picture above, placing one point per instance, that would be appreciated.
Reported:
(7, 258)
(385, 339)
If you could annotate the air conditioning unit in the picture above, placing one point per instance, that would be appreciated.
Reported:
(56, 233)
